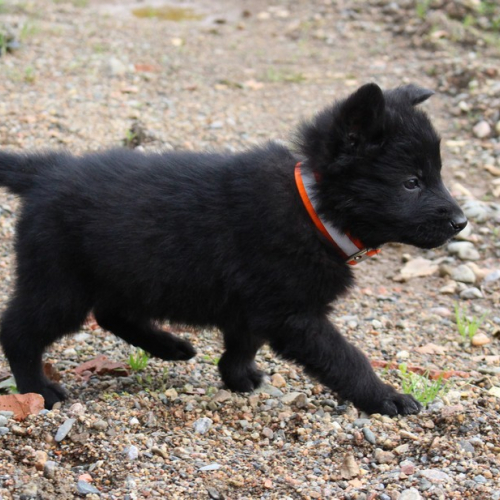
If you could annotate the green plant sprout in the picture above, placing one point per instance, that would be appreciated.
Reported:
(422, 7)
(421, 387)
(467, 328)
(8, 386)
(214, 360)
(138, 360)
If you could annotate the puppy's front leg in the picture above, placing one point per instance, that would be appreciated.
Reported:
(314, 343)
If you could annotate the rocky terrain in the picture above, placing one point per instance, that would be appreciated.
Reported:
(89, 74)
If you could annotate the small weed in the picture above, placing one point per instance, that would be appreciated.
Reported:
(3, 44)
(135, 135)
(29, 75)
(421, 387)
(422, 8)
(164, 379)
(138, 360)
(145, 381)
(130, 137)
(211, 359)
(76, 3)
(277, 76)
(28, 29)
(100, 48)
(468, 21)
(467, 328)
(109, 396)
(8, 386)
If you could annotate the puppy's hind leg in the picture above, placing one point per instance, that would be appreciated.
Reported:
(143, 333)
(237, 365)
(29, 325)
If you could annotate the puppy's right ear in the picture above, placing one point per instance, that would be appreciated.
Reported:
(361, 114)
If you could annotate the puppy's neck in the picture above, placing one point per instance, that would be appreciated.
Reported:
(350, 249)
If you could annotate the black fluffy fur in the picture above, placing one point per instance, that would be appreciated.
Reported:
(223, 240)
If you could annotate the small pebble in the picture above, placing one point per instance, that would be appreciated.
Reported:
(492, 276)
(477, 210)
(222, 395)
(362, 422)
(30, 490)
(471, 293)
(269, 389)
(76, 409)
(64, 429)
(369, 435)
(402, 449)
(435, 476)
(214, 466)
(202, 425)
(466, 446)
(49, 469)
(464, 249)
(464, 274)
(449, 289)
(171, 393)
(18, 430)
(99, 425)
(84, 488)
(132, 452)
(159, 452)
(482, 129)
(411, 494)
(407, 467)
(41, 458)
(383, 457)
(268, 433)
(480, 339)
(214, 494)
(277, 380)
(296, 398)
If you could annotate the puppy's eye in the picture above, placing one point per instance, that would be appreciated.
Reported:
(411, 183)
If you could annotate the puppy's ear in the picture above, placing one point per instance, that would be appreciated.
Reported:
(411, 93)
(362, 113)
(354, 124)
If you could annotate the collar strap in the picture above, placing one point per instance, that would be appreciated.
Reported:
(350, 248)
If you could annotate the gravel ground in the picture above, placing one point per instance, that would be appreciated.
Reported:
(89, 74)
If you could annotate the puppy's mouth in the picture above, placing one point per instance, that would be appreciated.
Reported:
(428, 238)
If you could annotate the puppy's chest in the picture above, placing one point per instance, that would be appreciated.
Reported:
(321, 278)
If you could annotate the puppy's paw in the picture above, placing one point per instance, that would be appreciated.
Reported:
(53, 393)
(173, 349)
(183, 350)
(240, 377)
(399, 404)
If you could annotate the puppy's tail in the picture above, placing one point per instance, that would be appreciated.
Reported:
(20, 172)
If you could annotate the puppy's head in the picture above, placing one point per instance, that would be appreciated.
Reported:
(378, 162)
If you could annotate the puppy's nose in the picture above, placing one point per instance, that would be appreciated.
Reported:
(458, 222)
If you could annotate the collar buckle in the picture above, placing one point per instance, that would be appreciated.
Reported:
(362, 255)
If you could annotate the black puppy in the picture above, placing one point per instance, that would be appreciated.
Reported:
(257, 244)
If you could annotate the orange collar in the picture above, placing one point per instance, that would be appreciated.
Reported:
(350, 248)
